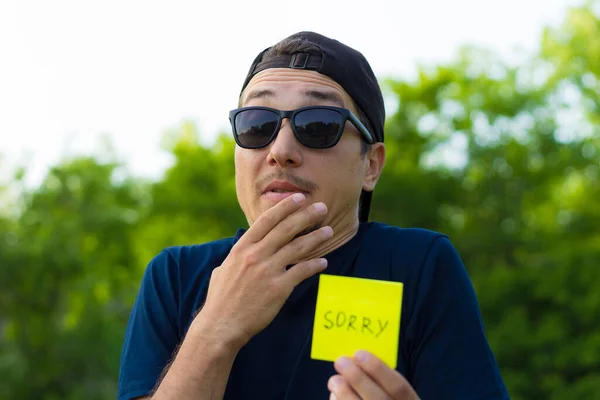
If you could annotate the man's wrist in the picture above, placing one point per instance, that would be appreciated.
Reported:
(224, 339)
(202, 364)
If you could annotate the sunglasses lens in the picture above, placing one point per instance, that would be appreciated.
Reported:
(318, 128)
(254, 128)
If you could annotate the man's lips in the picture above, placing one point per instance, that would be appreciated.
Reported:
(279, 190)
(282, 186)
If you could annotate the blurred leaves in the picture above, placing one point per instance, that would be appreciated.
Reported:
(504, 159)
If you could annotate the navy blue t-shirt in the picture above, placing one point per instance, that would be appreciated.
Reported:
(442, 352)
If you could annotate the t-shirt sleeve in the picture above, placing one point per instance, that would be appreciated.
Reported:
(151, 336)
(449, 354)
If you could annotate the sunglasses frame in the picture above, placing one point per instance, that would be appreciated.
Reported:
(290, 114)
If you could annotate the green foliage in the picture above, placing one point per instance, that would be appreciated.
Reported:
(523, 208)
(503, 159)
(197, 198)
(67, 278)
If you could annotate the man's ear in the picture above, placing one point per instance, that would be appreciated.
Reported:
(375, 158)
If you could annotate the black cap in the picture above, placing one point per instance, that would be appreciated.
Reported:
(349, 68)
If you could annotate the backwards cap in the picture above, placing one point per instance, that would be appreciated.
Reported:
(348, 68)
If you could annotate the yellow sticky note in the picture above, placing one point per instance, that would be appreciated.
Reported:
(357, 314)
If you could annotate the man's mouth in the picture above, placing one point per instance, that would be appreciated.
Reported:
(282, 191)
(282, 187)
(279, 190)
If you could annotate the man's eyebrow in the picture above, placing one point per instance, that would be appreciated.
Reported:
(259, 94)
(327, 96)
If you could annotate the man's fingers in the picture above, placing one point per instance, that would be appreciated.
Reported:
(359, 380)
(294, 225)
(389, 379)
(340, 389)
(303, 271)
(298, 248)
(273, 216)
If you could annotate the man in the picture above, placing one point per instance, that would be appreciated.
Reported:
(233, 318)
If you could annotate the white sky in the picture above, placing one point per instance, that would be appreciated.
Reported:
(71, 71)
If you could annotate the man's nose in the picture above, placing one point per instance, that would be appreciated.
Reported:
(285, 150)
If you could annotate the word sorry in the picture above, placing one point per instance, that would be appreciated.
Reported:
(352, 322)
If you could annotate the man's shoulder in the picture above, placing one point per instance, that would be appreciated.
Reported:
(404, 237)
(193, 259)
(200, 252)
(407, 251)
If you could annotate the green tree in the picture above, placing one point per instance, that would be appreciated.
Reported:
(195, 201)
(67, 278)
(523, 209)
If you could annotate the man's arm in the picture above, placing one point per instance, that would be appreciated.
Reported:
(449, 355)
(244, 295)
(202, 365)
(200, 360)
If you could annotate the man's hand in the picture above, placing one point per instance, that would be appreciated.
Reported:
(366, 377)
(247, 291)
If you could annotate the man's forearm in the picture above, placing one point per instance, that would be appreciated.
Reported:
(201, 368)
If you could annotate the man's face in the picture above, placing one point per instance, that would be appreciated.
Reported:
(334, 176)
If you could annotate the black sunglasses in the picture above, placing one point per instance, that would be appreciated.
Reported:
(317, 127)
